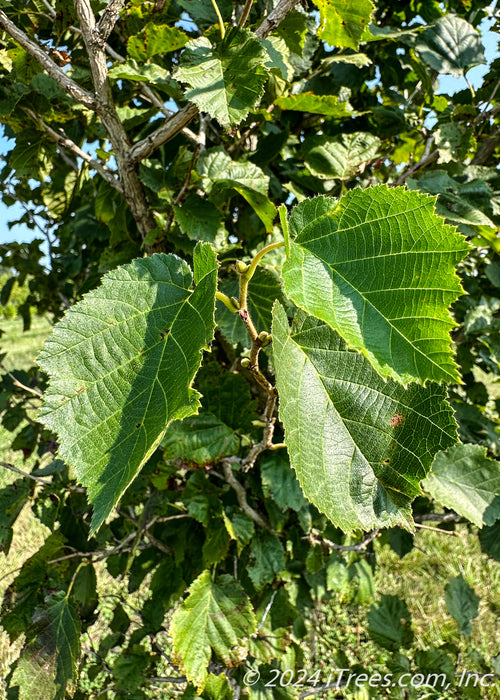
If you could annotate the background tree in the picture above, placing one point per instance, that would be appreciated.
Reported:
(154, 144)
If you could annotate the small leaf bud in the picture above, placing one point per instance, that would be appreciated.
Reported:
(265, 338)
(241, 267)
(245, 362)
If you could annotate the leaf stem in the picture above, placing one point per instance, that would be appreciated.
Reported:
(219, 17)
(253, 265)
(284, 227)
(226, 301)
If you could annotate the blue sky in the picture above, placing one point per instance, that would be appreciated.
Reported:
(447, 84)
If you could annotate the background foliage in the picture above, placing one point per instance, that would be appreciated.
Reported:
(165, 128)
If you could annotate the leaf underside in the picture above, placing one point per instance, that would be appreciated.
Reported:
(121, 363)
(359, 445)
(378, 267)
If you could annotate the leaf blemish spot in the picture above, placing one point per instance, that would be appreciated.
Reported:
(396, 420)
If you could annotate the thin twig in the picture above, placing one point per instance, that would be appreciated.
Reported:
(242, 497)
(427, 159)
(316, 539)
(267, 610)
(14, 469)
(70, 86)
(178, 121)
(20, 385)
(437, 529)
(63, 140)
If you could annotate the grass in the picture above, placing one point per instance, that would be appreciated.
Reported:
(22, 349)
(419, 578)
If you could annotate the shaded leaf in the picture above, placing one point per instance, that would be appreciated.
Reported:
(359, 444)
(378, 266)
(451, 46)
(489, 538)
(267, 558)
(198, 218)
(121, 364)
(215, 616)
(389, 623)
(462, 603)
(47, 662)
(221, 174)
(280, 482)
(465, 479)
(203, 439)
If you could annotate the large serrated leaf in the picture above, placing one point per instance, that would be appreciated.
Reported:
(216, 616)
(359, 445)
(344, 23)
(121, 363)
(225, 79)
(465, 479)
(378, 266)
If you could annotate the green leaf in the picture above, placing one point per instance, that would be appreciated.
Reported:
(328, 105)
(221, 174)
(121, 363)
(344, 23)
(215, 616)
(378, 266)
(451, 46)
(268, 559)
(462, 603)
(13, 498)
(465, 479)
(199, 219)
(293, 29)
(202, 439)
(340, 157)
(389, 623)
(47, 662)
(489, 538)
(227, 79)
(155, 39)
(142, 73)
(280, 483)
(359, 444)
(264, 288)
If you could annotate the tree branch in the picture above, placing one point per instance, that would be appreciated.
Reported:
(167, 131)
(63, 140)
(315, 538)
(110, 17)
(242, 497)
(25, 475)
(133, 189)
(143, 149)
(52, 69)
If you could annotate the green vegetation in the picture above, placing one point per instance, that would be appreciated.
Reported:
(258, 453)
